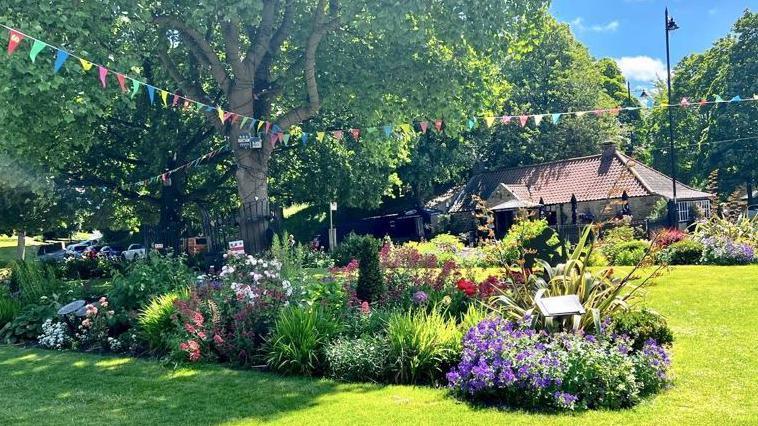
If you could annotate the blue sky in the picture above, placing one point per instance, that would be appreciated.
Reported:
(631, 31)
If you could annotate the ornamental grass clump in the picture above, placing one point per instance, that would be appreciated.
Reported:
(509, 364)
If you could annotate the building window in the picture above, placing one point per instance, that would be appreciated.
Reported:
(684, 209)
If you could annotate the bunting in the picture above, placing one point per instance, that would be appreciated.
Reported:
(14, 40)
(37, 47)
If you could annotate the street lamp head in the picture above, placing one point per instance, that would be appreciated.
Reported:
(644, 94)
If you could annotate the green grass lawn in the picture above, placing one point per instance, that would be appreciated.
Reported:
(712, 311)
(8, 248)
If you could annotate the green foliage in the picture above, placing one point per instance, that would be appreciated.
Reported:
(601, 293)
(290, 256)
(685, 252)
(155, 319)
(528, 240)
(298, 339)
(743, 230)
(350, 248)
(628, 253)
(359, 325)
(150, 277)
(357, 360)
(27, 324)
(9, 308)
(371, 286)
(444, 247)
(422, 346)
(642, 325)
(87, 268)
(33, 280)
(474, 314)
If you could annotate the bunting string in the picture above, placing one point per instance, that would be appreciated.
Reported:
(166, 176)
(278, 135)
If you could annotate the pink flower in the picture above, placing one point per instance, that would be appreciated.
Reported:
(197, 317)
(194, 356)
(87, 323)
(201, 335)
(183, 346)
(190, 329)
(103, 302)
(365, 308)
(90, 310)
(218, 339)
(193, 345)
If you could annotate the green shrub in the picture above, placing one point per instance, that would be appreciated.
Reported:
(642, 325)
(527, 239)
(685, 252)
(473, 316)
(27, 324)
(156, 321)
(298, 339)
(149, 277)
(357, 324)
(597, 258)
(350, 248)
(9, 308)
(626, 253)
(33, 281)
(291, 257)
(370, 285)
(422, 346)
(357, 360)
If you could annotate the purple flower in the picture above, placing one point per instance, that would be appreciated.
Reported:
(420, 297)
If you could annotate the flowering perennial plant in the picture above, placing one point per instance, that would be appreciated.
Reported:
(508, 363)
(92, 332)
(54, 335)
(721, 250)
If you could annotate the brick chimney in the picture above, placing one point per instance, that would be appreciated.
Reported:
(609, 147)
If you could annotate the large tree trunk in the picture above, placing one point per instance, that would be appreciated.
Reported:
(21, 247)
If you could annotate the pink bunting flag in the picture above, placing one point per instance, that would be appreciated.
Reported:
(268, 127)
(14, 41)
(121, 82)
(355, 133)
(226, 116)
(505, 119)
(103, 73)
(235, 118)
(684, 102)
(615, 111)
(599, 112)
(338, 134)
(438, 124)
(187, 104)
(523, 119)
(175, 101)
(424, 126)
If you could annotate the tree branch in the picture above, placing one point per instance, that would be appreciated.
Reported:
(259, 46)
(230, 31)
(200, 47)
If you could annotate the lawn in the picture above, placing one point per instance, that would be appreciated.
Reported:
(8, 248)
(712, 311)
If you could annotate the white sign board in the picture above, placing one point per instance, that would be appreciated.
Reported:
(249, 141)
(560, 305)
(333, 206)
(158, 246)
(237, 247)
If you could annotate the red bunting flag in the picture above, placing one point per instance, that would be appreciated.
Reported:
(438, 124)
(424, 126)
(103, 73)
(175, 101)
(14, 41)
(235, 118)
(356, 133)
(121, 82)
(226, 116)
(505, 119)
(338, 134)
(703, 102)
(523, 119)
(615, 111)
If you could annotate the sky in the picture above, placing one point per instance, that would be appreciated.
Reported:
(632, 31)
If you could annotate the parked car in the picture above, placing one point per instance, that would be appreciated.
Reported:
(91, 251)
(134, 251)
(53, 252)
(109, 252)
(75, 250)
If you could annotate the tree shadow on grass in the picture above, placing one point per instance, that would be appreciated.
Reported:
(44, 387)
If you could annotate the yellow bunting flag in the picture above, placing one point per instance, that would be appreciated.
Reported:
(164, 98)
(86, 65)
(221, 114)
(320, 136)
(490, 120)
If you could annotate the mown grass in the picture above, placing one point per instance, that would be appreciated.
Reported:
(8, 248)
(712, 311)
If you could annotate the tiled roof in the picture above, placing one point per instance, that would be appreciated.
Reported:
(595, 177)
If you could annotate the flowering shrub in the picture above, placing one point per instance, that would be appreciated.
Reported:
(54, 335)
(669, 236)
(358, 360)
(685, 252)
(506, 362)
(722, 250)
(92, 332)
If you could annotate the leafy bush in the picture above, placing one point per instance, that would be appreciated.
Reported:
(370, 286)
(533, 239)
(86, 268)
(350, 248)
(666, 237)
(33, 281)
(27, 324)
(290, 256)
(641, 326)
(685, 252)
(722, 250)
(741, 231)
(9, 308)
(626, 253)
(155, 319)
(445, 247)
(357, 360)
(508, 363)
(422, 345)
(150, 277)
(297, 341)
(356, 324)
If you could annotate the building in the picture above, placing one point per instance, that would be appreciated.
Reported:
(574, 191)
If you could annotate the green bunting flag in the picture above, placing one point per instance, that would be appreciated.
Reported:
(244, 121)
(37, 47)
(135, 87)
(470, 124)
(556, 118)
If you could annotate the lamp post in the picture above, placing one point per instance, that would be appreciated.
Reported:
(671, 26)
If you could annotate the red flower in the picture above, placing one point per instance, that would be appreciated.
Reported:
(466, 286)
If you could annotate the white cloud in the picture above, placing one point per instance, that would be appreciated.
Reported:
(641, 68)
(578, 25)
(712, 11)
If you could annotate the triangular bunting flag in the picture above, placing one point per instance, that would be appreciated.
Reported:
(556, 118)
(388, 130)
(406, 128)
(37, 47)
(260, 124)
(86, 65)
(684, 102)
(470, 124)
(286, 138)
(221, 115)
(14, 41)
(252, 123)
(599, 112)
(523, 119)
(121, 82)
(304, 138)
(199, 106)
(615, 111)
(489, 120)
(268, 127)
(736, 99)
(718, 99)
(244, 121)
(703, 102)
(60, 59)
(424, 125)
(438, 124)
(538, 119)
(320, 136)
(580, 113)
(151, 93)
(187, 104)
(338, 134)
(102, 72)
(175, 100)
(356, 134)
(649, 102)
(505, 119)
(135, 87)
